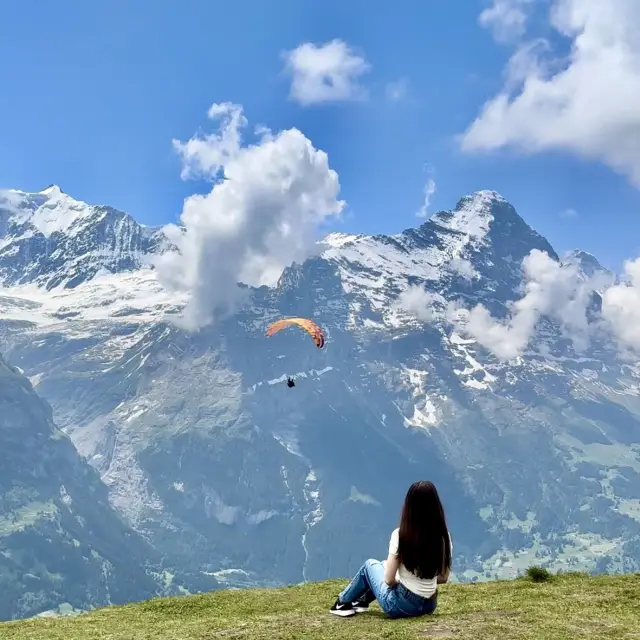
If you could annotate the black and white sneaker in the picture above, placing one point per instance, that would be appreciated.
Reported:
(360, 606)
(343, 610)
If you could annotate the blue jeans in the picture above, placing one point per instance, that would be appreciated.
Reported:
(396, 601)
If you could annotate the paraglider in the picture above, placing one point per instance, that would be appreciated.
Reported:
(308, 325)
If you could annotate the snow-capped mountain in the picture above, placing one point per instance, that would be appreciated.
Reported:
(463, 251)
(227, 472)
(52, 239)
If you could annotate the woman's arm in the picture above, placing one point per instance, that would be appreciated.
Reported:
(390, 568)
(444, 576)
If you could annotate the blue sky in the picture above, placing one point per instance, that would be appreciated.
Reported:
(94, 92)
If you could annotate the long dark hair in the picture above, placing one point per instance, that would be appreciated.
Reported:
(424, 547)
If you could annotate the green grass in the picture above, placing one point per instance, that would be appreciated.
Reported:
(566, 606)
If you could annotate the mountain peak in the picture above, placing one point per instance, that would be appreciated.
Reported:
(579, 254)
(51, 238)
(483, 197)
(52, 190)
(586, 262)
(473, 213)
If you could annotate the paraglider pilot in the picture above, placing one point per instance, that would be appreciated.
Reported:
(308, 325)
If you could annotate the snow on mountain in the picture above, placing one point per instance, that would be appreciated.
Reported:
(465, 249)
(227, 472)
(51, 239)
(588, 265)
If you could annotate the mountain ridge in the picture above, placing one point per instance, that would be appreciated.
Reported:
(61, 544)
(226, 472)
(52, 239)
(479, 204)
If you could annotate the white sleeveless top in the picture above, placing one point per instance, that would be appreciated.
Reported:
(422, 587)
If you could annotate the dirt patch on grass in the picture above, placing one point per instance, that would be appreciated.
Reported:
(274, 625)
(491, 615)
(452, 625)
(235, 632)
(439, 631)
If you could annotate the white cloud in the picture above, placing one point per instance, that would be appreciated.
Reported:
(396, 91)
(506, 18)
(551, 289)
(10, 200)
(569, 213)
(261, 215)
(418, 302)
(205, 156)
(584, 103)
(463, 268)
(559, 291)
(621, 308)
(325, 73)
(429, 190)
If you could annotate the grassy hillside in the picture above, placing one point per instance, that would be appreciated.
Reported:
(568, 606)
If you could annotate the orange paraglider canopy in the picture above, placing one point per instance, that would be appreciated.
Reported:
(308, 325)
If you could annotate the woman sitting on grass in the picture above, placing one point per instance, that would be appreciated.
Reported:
(406, 585)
